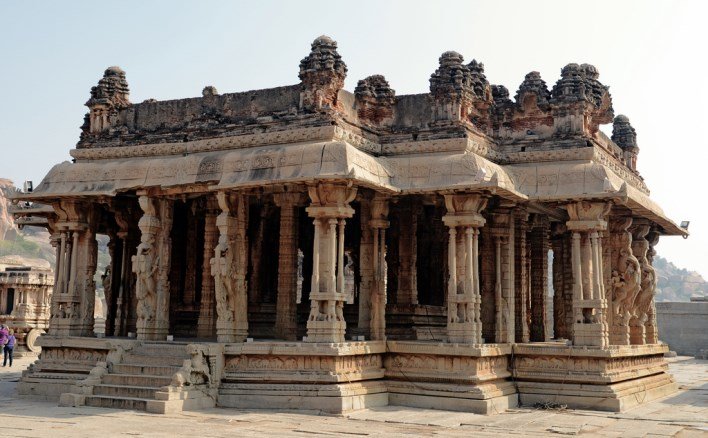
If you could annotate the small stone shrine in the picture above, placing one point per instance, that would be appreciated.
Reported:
(308, 247)
(25, 299)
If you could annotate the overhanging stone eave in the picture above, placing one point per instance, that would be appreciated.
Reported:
(344, 178)
(642, 205)
(485, 188)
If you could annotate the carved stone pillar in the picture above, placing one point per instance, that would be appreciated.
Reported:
(207, 318)
(286, 310)
(229, 267)
(56, 240)
(379, 223)
(146, 265)
(650, 328)
(642, 308)
(74, 297)
(522, 280)
(164, 250)
(366, 264)
(119, 323)
(463, 218)
(110, 279)
(329, 208)
(590, 326)
(505, 294)
(407, 252)
(624, 280)
(562, 282)
(255, 280)
(189, 292)
(539, 277)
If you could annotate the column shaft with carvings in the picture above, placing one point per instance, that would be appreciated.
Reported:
(587, 219)
(207, 317)
(539, 278)
(146, 265)
(329, 209)
(522, 280)
(74, 297)
(378, 223)
(643, 303)
(229, 267)
(286, 310)
(366, 264)
(165, 211)
(505, 293)
(624, 282)
(463, 218)
(650, 327)
(56, 241)
(407, 252)
(191, 266)
(119, 322)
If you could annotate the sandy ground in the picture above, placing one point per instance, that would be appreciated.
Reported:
(684, 414)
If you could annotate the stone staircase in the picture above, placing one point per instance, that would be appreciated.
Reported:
(134, 382)
(140, 378)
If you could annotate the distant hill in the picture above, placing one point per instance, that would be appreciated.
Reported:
(676, 284)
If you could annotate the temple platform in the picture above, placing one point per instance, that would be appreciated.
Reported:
(607, 379)
(344, 377)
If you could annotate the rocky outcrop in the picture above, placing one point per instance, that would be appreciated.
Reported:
(676, 284)
(7, 225)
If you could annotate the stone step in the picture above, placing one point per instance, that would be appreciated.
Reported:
(144, 380)
(125, 391)
(153, 370)
(134, 359)
(100, 401)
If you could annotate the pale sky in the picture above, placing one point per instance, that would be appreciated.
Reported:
(652, 54)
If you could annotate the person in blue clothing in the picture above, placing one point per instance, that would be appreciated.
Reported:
(9, 346)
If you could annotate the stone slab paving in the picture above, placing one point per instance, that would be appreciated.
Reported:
(684, 414)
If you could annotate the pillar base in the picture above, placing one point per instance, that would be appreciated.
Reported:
(205, 328)
(65, 327)
(226, 332)
(326, 331)
(637, 334)
(151, 334)
(590, 334)
(462, 332)
(619, 335)
(651, 334)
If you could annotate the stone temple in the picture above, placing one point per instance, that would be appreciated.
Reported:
(308, 247)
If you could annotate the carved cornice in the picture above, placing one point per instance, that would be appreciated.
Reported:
(606, 159)
(322, 133)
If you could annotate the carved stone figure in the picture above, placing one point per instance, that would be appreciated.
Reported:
(223, 274)
(146, 265)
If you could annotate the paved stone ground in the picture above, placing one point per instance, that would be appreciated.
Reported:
(684, 414)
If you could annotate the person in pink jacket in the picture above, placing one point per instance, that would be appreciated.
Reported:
(4, 334)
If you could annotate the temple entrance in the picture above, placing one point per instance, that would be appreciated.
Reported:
(189, 268)
(10, 301)
(263, 237)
